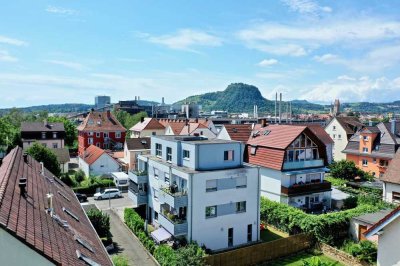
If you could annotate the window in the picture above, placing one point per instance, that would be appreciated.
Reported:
(118, 135)
(334, 127)
(249, 232)
(55, 145)
(97, 134)
(230, 237)
(365, 162)
(86, 259)
(105, 135)
(241, 182)
(153, 133)
(158, 149)
(339, 136)
(90, 141)
(374, 160)
(365, 149)
(365, 138)
(155, 215)
(211, 211)
(105, 145)
(166, 178)
(54, 135)
(90, 133)
(211, 185)
(155, 193)
(98, 144)
(334, 135)
(396, 196)
(241, 206)
(228, 155)
(314, 199)
(377, 147)
(169, 154)
(186, 154)
(253, 150)
(156, 173)
(43, 135)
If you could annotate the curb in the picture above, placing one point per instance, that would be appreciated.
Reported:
(140, 242)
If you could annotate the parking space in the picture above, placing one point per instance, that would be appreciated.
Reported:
(119, 203)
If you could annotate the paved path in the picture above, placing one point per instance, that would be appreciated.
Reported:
(127, 244)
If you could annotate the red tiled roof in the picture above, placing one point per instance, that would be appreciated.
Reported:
(239, 132)
(392, 174)
(147, 124)
(191, 127)
(321, 133)
(91, 154)
(101, 121)
(176, 127)
(266, 157)
(26, 218)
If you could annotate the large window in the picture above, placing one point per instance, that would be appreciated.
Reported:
(186, 154)
(396, 196)
(228, 155)
(230, 237)
(211, 211)
(302, 149)
(241, 206)
(158, 149)
(169, 154)
(365, 149)
(117, 134)
(211, 185)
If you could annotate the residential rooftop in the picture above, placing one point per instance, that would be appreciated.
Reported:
(194, 139)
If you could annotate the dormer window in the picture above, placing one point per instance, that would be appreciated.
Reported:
(54, 135)
(43, 135)
(365, 138)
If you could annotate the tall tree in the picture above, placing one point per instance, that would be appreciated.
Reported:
(43, 154)
(70, 129)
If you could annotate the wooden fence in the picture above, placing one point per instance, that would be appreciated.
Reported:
(261, 252)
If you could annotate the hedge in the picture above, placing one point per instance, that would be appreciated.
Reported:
(91, 189)
(328, 228)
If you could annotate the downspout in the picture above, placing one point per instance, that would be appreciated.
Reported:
(258, 203)
(190, 192)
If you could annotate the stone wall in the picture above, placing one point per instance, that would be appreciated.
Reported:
(341, 256)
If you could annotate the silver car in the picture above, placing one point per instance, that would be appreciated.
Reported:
(108, 193)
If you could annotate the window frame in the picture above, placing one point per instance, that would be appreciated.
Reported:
(209, 213)
(211, 189)
(169, 154)
(158, 150)
(229, 155)
(186, 154)
(240, 206)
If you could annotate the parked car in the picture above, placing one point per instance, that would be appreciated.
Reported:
(81, 197)
(108, 193)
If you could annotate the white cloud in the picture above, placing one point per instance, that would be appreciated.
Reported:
(352, 89)
(326, 58)
(184, 39)
(268, 62)
(61, 10)
(6, 57)
(11, 41)
(306, 6)
(67, 64)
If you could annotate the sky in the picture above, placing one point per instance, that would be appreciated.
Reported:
(69, 51)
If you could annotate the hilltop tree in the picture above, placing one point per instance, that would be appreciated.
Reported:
(43, 154)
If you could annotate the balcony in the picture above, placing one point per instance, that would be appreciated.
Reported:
(175, 198)
(138, 194)
(303, 189)
(173, 225)
(138, 176)
(303, 164)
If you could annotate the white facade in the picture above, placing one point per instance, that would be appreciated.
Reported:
(208, 197)
(223, 134)
(147, 133)
(49, 143)
(391, 192)
(104, 165)
(388, 244)
(339, 136)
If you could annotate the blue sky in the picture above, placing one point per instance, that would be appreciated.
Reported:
(70, 51)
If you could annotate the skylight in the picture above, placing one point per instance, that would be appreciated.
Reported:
(63, 195)
(70, 213)
(60, 221)
(266, 132)
(58, 181)
(86, 259)
(84, 243)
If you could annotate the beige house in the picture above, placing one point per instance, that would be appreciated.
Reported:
(391, 180)
(388, 231)
(341, 129)
(147, 127)
(134, 147)
(50, 135)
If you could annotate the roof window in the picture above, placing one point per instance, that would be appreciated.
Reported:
(86, 259)
(84, 243)
(70, 213)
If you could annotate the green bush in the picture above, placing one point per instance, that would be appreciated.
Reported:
(165, 255)
(328, 228)
(344, 169)
(120, 260)
(191, 254)
(100, 222)
(364, 250)
(315, 261)
(350, 202)
(79, 176)
(66, 178)
(336, 182)
(93, 186)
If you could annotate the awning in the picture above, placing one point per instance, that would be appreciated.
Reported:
(160, 235)
(307, 171)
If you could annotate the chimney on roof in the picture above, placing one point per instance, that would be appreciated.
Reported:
(263, 122)
(138, 98)
(142, 119)
(41, 168)
(25, 156)
(393, 128)
(108, 113)
(280, 107)
(22, 186)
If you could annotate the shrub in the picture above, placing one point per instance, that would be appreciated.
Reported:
(100, 222)
(79, 176)
(315, 261)
(120, 260)
(191, 254)
(66, 178)
(350, 202)
(43, 154)
(91, 188)
(365, 250)
(165, 255)
(344, 169)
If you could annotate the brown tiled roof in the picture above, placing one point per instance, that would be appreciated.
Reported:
(321, 133)
(240, 132)
(191, 127)
(101, 121)
(41, 127)
(349, 123)
(62, 154)
(392, 173)
(26, 217)
(138, 143)
(176, 127)
(147, 124)
(266, 157)
(92, 153)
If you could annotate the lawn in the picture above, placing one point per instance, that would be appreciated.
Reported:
(297, 260)
(271, 234)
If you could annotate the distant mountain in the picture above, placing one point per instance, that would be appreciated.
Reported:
(240, 97)
(54, 108)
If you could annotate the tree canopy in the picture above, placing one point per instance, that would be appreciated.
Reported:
(43, 154)
(128, 120)
(70, 129)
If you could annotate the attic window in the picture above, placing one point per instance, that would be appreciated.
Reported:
(253, 150)
(88, 260)
(70, 213)
(266, 132)
(144, 142)
(63, 195)
(256, 133)
(58, 181)
(84, 243)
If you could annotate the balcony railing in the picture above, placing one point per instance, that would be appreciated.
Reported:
(303, 164)
(138, 176)
(302, 189)
(173, 225)
(174, 198)
(138, 198)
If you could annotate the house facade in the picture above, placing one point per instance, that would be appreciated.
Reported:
(95, 161)
(391, 181)
(147, 127)
(341, 129)
(134, 147)
(373, 147)
(46, 224)
(292, 161)
(50, 135)
(325, 138)
(101, 129)
(198, 189)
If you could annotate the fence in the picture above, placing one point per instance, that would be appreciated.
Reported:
(262, 252)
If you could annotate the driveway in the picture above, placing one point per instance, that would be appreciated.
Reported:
(127, 244)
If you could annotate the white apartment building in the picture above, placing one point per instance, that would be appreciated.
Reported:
(199, 189)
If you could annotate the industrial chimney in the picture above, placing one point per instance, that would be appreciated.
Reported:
(276, 103)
